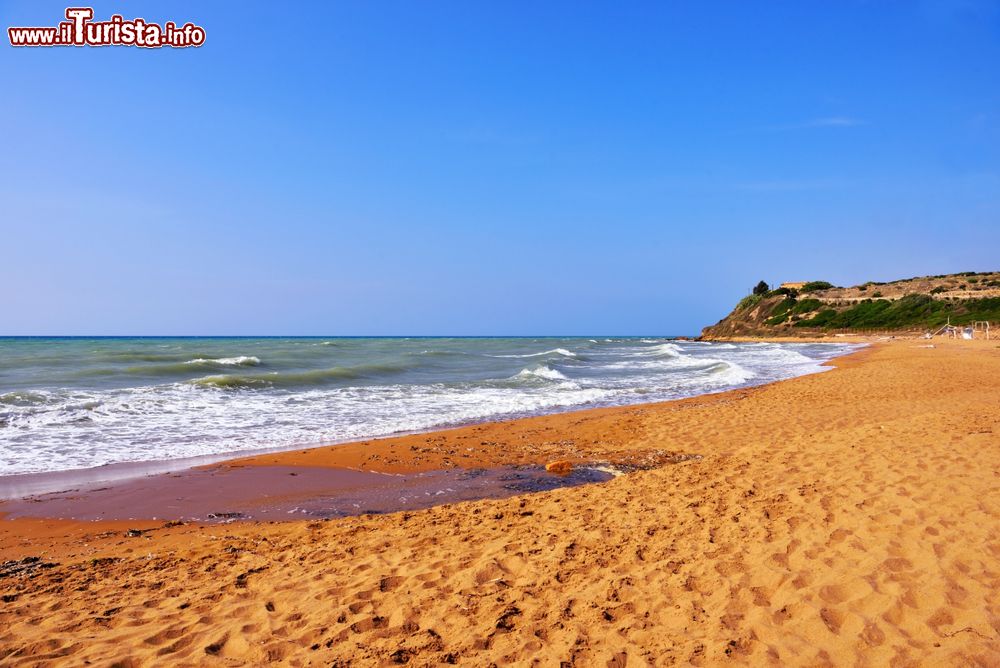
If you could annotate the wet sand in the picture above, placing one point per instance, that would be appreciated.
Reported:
(288, 493)
(849, 517)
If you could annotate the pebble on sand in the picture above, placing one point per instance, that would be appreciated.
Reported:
(559, 467)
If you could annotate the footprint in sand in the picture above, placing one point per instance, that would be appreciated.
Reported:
(833, 619)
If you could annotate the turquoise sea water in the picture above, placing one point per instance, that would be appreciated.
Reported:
(69, 403)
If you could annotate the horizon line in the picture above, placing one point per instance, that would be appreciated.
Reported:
(322, 336)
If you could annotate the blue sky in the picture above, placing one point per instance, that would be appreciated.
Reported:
(490, 168)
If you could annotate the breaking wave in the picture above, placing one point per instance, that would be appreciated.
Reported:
(299, 379)
(242, 360)
(24, 398)
(542, 371)
(664, 350)
(554, 351)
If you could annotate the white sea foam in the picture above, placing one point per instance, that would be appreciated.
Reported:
(545, 372)
(554, 351)
(668, 349)
(729, 373)
(154, 423)
(242, 360)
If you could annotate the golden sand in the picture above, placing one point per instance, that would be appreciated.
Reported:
(845, 518)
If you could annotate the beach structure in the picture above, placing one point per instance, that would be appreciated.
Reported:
(946, 329)
(968, 332)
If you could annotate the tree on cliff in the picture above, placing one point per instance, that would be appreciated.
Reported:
(761, 288)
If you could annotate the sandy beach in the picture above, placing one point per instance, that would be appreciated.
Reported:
(844, 518)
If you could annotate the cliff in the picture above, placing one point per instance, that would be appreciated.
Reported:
(906, 305)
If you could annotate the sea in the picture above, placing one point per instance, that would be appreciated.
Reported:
(78, 403)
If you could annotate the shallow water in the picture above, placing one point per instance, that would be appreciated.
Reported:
(71, 403)
(279, 493)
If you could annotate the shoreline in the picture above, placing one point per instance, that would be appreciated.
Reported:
(847, 516)
(20, 485)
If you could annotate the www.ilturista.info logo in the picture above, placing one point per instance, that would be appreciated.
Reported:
(81, 30)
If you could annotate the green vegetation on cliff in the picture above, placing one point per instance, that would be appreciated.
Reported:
(813, 286)
(912, 304)
(910, 311)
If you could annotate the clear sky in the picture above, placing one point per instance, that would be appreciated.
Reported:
(372, 167)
